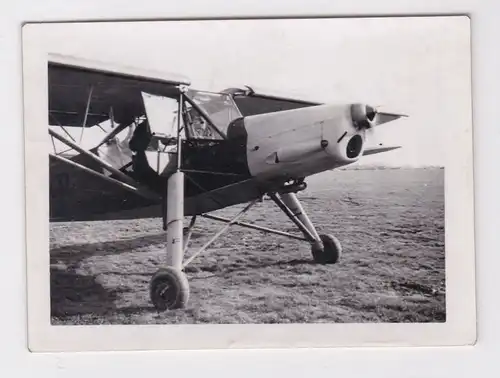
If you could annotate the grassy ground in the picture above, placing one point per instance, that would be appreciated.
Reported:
(390, 222)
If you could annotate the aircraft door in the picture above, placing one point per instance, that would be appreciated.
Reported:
(162, 115)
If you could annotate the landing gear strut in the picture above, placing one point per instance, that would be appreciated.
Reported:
(169, 287)
(326, 249)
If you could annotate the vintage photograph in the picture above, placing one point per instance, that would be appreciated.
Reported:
(275, 171)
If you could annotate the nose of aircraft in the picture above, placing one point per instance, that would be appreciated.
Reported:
(363, 116)
(346, 135)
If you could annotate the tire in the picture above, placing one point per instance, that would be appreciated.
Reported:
(330, 252)
(169, 289)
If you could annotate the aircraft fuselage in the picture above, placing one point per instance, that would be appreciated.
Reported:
(261, 153)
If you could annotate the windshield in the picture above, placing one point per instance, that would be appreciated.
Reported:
(219, 106)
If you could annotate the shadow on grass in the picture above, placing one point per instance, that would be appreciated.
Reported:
(74, 294)
(77, 252)
(79, 299)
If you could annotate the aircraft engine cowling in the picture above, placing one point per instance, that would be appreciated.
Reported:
(347, 149)
(305, 141)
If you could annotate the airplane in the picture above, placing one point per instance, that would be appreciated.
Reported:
(194, 153)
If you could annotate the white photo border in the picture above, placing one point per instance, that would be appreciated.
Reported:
(459, 328)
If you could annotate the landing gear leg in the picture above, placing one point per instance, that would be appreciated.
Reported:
(326, 249)
(169, 287)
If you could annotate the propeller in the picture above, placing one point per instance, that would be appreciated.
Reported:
(363, 116)
(366, 117)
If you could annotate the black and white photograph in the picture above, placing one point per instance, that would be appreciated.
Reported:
(255, 173)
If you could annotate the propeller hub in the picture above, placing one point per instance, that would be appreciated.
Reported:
(363, 116)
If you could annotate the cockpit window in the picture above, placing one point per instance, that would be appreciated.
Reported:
(220, 107)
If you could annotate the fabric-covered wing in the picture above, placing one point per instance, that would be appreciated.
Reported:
(112, 90)
(383, 117)
(379, 149)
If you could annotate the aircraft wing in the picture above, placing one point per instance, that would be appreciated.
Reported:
(111, 89)
(384, 117)
(378, 150)
(251, 101)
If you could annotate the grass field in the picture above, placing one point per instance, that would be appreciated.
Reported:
(390, 223)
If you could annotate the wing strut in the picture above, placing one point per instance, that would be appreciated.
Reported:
(115, 131)
(140, 191)
(220, 232)
(86, 112)
(62, 127)
(99, 161)
(254, 227)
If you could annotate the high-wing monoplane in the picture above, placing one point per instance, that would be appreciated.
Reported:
(170, 151)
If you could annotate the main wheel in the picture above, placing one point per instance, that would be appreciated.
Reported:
(169, 289)
(330, 252)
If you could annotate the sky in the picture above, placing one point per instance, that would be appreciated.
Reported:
(416, 66)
